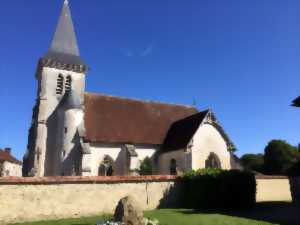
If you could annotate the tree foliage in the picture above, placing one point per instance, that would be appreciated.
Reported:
(253, 162)
(146, 167)
(280, 157)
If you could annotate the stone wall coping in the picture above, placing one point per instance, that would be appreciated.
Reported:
(266, 177)
(102, 180)
(85, 180)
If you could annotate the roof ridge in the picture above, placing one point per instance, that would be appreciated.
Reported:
(141, 100)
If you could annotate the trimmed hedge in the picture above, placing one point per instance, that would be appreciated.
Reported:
(215, 188)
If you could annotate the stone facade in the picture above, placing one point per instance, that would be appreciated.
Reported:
(11, 169)
(9, 165)
(206, 141)
(123, 164)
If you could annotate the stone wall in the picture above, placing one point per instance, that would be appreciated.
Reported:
(30, 199)
(183, 161)
(273, 188)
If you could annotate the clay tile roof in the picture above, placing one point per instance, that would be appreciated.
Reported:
(182, 131)
(6, 156)
(111, 119)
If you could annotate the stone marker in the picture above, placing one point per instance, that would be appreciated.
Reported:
(129, 212)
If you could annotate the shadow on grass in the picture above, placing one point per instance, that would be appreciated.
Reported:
(283, 213)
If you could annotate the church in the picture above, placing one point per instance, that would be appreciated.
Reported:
(77, 133)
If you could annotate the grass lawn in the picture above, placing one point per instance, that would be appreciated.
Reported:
(167, 217)
(262, 214)
(80, 221)
(189, 217)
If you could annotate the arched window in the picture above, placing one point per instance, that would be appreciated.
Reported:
(106, 167)
(213, 161)
(60, 84)
(68, 84)
(173, 167)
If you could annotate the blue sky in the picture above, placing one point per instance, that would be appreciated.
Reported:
(240, 58)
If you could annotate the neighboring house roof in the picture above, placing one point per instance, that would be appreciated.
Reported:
(111, 119)
(182, 131)
(6, 156)
(296, 102)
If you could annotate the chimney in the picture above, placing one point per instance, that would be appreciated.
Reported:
(8, 150)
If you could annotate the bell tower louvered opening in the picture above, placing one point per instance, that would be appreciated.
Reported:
(68, 85)
(60, 84)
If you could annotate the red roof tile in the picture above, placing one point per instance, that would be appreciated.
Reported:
(6, 156)
(111, 119)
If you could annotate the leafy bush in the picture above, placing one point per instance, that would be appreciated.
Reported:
(146, 167)
(215, 188)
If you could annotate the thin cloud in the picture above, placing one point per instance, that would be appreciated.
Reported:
(147, 51)
(130, 53)
(127, 52)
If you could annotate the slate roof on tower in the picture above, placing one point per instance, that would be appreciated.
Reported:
(64, 46)
(111, 119)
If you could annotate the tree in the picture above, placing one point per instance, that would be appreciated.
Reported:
(253, 162)
(280, 157)
(146, 167)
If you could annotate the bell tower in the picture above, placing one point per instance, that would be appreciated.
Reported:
(60, 71)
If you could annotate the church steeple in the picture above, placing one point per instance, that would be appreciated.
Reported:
(64, 48)
(64, 40)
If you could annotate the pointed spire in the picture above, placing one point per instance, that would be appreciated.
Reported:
(64, 46)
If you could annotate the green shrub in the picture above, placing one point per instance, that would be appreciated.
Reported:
(215, 188)
(146, 167)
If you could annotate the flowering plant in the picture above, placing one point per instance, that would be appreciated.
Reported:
(146, 222)
(110, 223)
